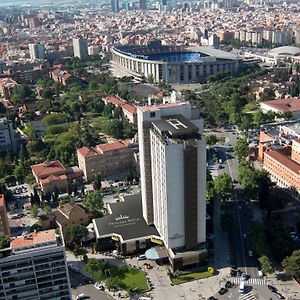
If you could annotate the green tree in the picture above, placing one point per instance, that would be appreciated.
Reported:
(4, 241)
(113, 283)
(211, 139)
(34, 210)
(259, 238)
(97, 183)
(227, 221)
(223, 186)
(241, 149)
(265, 264)
(73, 234)
(93, 202)
(291, 264)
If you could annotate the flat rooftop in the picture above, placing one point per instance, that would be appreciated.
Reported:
(176, 125)
(126, 220)
(34, 239)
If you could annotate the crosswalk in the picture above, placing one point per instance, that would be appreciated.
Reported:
(250, 281)
(248, 296)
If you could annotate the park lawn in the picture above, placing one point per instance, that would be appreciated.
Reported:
(135, 279)
(190, 277)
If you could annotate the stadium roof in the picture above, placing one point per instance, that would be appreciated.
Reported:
(285, 50)
(208, 50)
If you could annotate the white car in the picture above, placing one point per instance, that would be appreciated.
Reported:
(80, 296)
(141, 257)
(260, 273)
(250, 253)
(99, 286)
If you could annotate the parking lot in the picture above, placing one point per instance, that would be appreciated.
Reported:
(83, 285)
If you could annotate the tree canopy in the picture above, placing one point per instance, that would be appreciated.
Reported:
(73, 234)
(93, 202)
(291, 264)
(223, 186)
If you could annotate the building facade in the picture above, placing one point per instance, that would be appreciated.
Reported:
(105, 160)
(8, 136)
(166, 168)
(80, 46)
(34, 267)
(4, 224)
(37, 51)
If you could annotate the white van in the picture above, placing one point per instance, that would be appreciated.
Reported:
(80, 296)
(242, 287)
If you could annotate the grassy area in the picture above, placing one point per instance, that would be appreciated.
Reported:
(190, 276)
(127, 278)
(135, 278)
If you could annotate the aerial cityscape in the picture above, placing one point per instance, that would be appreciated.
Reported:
(150, 149)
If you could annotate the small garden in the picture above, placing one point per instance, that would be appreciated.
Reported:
(179, 277)
(130, 279)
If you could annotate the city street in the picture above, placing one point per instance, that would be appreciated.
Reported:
(245, 212)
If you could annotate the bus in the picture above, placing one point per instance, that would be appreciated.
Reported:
(242, 287)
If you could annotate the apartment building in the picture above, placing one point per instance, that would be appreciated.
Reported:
(34, 267)
(105, 159)
(52, 175)
(8, 136)
(4, 225)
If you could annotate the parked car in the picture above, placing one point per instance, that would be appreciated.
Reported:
(212, 298)
(228, 284)
(142, 257)
(260, 273)
(233, 273)
(238, 273)
(280, 296)
(272, 288)
(222, 291)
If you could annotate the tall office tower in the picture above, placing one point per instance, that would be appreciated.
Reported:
(4, 225)
(115, 7)
(80, 46)
(34, 267)
(142, 4)
(37, 51)
(173, 173)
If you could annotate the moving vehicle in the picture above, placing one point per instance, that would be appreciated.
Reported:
(80, 296)
(242, 287)
(260, 273)
(250, 253)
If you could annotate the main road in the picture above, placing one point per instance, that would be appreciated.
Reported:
(240, 242)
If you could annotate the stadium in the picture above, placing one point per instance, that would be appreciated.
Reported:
(173, 64)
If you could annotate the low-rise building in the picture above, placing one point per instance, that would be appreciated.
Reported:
(281, 106)
(4, 224)
(34, 267)
(105, 159)
(129, 110)
(6, 87)
(67, 214)
(63, 77)
(53, 175)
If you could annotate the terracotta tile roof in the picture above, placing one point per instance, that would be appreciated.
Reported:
(129, 107)
(87, 152)
(2, 202)
(111, 146)
(34, 238)
(53, 178)
(47, 168)
(284, 160)
(69, 208)
(284, 105)
(114, 100)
